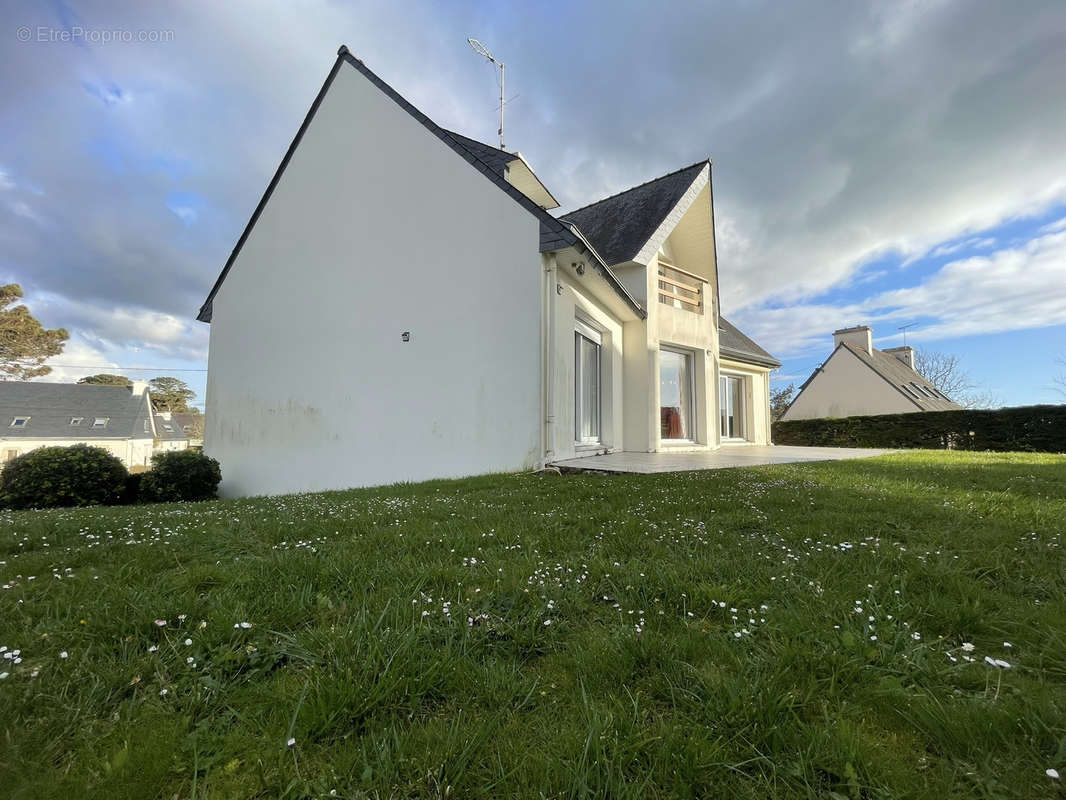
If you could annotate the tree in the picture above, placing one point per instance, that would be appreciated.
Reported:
(1060, 379)
(779, 400)
(945, 372)
(170, 394)
(106, 379)
(25, 344)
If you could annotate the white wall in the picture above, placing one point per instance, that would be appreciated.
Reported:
(846, 387)
(376, 228)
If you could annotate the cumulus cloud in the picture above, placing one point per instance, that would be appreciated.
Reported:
(839, 133)
(1009, 289)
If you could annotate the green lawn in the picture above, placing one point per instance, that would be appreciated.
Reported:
(791, 631)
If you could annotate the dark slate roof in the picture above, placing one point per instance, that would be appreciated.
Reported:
(620, 225)
(554, 235)
(494, 157)
(174, 433)
(903, 378)
(732, 343)
(51, 406)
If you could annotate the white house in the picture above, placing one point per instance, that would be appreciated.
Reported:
(116, 418)
(402, 306)
(858, 380)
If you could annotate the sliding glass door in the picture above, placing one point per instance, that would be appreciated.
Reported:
(731, 406)
(676, 398)
(587, 346)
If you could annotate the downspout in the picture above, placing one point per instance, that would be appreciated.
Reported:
(548, 369)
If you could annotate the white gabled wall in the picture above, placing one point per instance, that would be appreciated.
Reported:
(375, 228)
(846, 387)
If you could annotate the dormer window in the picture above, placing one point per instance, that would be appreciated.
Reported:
(101, 422)
(167, 426)
(19, 422)
(76, 420)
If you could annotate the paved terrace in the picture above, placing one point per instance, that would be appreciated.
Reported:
(723, 458)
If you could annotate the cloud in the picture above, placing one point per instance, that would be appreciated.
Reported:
(1010, 289)
(840, 133)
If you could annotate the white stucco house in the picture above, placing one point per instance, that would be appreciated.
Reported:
(858, 380)
(403, 306)
(37, 414)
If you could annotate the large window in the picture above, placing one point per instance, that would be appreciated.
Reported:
(731, 406)
(676, 395)
(587, 347)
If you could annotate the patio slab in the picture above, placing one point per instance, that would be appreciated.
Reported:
(724, 458)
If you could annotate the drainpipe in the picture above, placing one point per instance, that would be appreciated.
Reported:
(548, 370)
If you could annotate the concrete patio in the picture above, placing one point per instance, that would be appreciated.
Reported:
(724, 458)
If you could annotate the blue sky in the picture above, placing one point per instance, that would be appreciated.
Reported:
(874, 162)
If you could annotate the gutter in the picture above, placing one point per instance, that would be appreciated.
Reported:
(585, 247)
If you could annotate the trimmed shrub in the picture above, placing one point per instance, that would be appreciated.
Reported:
(51, 477)
(180, 475)
(131, 492)
(1037, 429)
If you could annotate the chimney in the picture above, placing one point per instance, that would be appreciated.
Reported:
(904, 354)
(860, 336)
(138, 387)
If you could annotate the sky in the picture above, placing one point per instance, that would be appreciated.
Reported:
(880, 163)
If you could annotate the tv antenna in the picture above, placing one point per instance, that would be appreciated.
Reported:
(904, 329)
(481, 50)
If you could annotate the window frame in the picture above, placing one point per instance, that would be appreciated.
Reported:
(584, 331)
(742, 416)
(692, 431)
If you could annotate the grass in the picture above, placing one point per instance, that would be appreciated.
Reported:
(790, 631)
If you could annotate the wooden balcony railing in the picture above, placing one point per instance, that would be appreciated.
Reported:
(680, 289)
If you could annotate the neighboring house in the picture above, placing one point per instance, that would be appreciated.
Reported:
(116, 418)
(401, 306)
(858, 380)
(192, 425)
(170, 432)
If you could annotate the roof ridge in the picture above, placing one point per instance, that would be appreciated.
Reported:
(638, 186)
(478, 141)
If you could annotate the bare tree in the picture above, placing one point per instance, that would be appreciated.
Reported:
(945, 372)
(779, 400)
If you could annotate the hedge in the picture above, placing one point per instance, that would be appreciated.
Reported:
(180, 475)
(51, 477)
(1037, 429)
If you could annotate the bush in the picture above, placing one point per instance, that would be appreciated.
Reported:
(180, 475)
(50, 477)
(131, 492)
(1039, 429)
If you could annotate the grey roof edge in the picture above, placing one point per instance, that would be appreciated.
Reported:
(737, 355)
(344, 55)
(206, 309)
(607, 272)
(635, 187)
(659, 235)
(754, 354)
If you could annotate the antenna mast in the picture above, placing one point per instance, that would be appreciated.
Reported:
(481, 50)
(904, 329)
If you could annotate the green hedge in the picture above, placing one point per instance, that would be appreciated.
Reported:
(51, 477)
(1038, 429)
